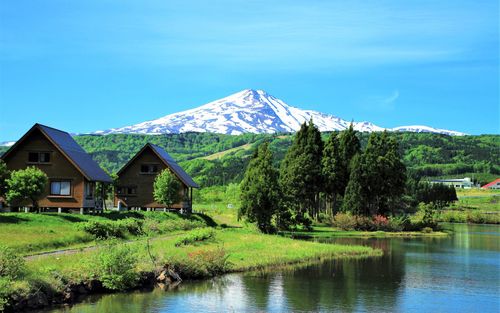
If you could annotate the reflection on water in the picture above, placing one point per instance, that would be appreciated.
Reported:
(455, 274)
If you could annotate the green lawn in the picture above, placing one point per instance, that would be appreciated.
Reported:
(326, 232)
(29, 233)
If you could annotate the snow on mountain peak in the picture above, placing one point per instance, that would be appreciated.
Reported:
(251, 111)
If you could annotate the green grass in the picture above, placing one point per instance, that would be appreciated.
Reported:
(219, 155)
(29, 233)
(247, 250)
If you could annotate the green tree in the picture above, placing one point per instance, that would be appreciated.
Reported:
(27, 184)
(332, 170)
(349, 146)
(300, 173)
(167, 188)
(4, 175)
(378, 178)
(260, 195)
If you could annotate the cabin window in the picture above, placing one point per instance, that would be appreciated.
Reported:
(89, 190)
(127, 191)
(149, 168)
(60, 188)
(39, 157)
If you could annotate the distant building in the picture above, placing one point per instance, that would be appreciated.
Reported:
(136, 180)
(493, 185)
(463, 183)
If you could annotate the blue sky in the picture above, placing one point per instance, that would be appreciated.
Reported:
(90, 65)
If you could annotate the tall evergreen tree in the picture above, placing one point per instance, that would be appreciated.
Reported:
(300, 174)
(332, 170)
(260, 195)
(380, 174)
(349, 147)
(355, 198)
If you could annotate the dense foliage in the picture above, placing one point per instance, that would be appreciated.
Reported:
(27, 184)
(214, 159)
(260, 196)
(166, 188)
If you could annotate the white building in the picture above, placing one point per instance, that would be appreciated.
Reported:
(464, 183)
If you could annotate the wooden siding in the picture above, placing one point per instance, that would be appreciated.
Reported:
(59, 168)
(131, 176)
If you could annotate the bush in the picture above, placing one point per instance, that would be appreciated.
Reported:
(5, 291)
(103, 230)
(380, 222)
(12, 266)
(133, 226)
(344, 221)
(197, 235)
(115, 267)
(427, 230)
(202, 264)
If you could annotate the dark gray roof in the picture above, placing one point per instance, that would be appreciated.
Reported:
(186, 179)
(76, 155)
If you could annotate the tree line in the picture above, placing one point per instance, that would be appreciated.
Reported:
(317, 177)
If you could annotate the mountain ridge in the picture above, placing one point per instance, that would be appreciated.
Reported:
(253, 111)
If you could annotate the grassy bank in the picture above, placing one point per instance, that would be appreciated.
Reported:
(230, 250)
(29, 233)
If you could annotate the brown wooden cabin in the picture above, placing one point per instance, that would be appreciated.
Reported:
(136, 179)
(71, 171)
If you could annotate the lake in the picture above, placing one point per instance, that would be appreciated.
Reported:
(459, 273)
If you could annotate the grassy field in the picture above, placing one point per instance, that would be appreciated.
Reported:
(29, 233)
(244, 249)
(219, 155)
(477, 206)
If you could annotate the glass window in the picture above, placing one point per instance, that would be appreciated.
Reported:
(55, 188)
(60, 188)
(44, 157)
(144, 168)
(33, 157)
(65, 188)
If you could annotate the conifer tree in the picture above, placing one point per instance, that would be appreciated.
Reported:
(301, 175)
(349, 147)
(260, 195)
(332, 170)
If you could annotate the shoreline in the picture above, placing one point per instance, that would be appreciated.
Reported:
(247, 250)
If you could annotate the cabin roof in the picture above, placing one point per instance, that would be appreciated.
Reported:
(168, 161)
(71, 150)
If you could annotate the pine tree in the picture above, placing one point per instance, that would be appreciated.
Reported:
(332, 170)
(301, 175)
(260, 195)
(355, 198)
(349, 147)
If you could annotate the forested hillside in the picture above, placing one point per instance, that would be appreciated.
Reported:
(214, 159)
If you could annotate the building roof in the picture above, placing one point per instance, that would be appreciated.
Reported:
(493, 183)
(168, 161)
(452, 180)
(71, 150)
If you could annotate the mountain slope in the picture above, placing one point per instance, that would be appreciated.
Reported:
(251, 111)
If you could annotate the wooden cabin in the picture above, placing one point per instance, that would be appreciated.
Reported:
(136, 180)
(71, 171)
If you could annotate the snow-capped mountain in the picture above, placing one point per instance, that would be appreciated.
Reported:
(251, 111)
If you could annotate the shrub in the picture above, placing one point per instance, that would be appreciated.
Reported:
(197, 235)
(11, 265)
(133, 226)
(202, 264)
(103, 230)
(398, 223)
(380, 222)
(344, 221)
(115, 267)
(427, 230)
(5, 291)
